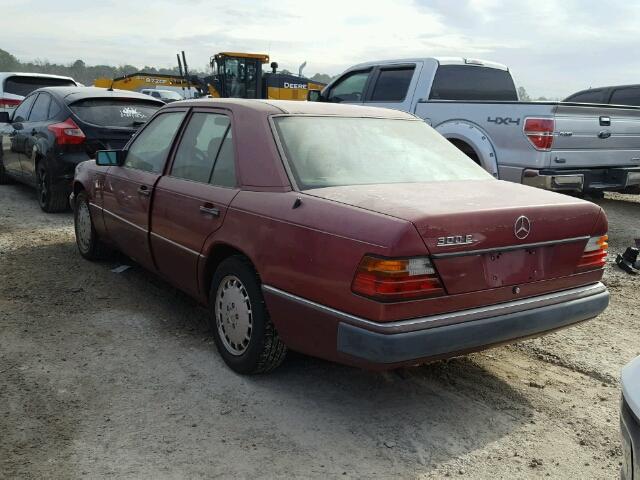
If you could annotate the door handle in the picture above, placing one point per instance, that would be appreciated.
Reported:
(213, 211)
(144, 190)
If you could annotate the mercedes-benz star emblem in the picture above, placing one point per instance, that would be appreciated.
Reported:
(522, 227)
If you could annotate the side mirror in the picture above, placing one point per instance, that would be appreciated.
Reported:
(5, 117)
(314, 96)
(110, 158)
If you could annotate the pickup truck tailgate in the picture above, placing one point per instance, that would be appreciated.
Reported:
(596, 136)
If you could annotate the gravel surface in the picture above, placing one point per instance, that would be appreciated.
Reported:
(115, 375)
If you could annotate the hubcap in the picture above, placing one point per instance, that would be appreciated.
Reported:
(83, 227)
(234, 317)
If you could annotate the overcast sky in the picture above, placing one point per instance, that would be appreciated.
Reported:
(553, 47)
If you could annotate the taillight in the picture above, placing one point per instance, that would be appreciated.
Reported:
(9, 102)
(539, 131)
(67, 133)
(389, 279)
(595, 254)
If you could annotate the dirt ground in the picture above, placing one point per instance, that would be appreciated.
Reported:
(107, 375)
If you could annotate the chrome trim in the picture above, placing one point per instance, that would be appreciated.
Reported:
(509, 248)
(175, 244)
(422, 323)
(124, 220)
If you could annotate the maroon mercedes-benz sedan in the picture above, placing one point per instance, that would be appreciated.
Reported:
(354, 234)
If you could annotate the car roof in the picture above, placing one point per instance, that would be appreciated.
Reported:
(4, 75)
(73, 94)
(293, 107)
(610, 87)
(471, 62)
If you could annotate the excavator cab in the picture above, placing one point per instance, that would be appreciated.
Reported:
(239, 75)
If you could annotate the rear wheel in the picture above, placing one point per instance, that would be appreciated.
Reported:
(4, 178)
(243, 332)
(51, 199)
(87, 240)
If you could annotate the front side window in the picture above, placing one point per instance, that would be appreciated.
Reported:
(202, 149)
(337, 151)
(589, 96)
(392, 84)
(22, 112)
(350, 88)
(150, 149)
(40, 110)
(626, 96)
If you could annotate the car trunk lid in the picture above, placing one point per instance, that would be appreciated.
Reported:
(470, 228)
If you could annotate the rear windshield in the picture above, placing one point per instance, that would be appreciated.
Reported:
(466, 82)
(113, 112)
(336, 151)
(22, 85)
(169, 95)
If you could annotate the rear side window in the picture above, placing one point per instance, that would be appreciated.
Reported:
(114, 112)
(392, 84)
(22, 112)
(626, 96)
(466, 82)
(349, 88)
(200, 147)
(590, 96)
(40, 110)
(24, 85)
(150, 149)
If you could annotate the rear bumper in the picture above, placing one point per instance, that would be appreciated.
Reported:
(363, 342)
(619, 179)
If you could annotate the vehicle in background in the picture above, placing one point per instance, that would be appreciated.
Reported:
(616, 95)
(55, 128)
(15, 86)
(167, 96)
(141, 81)
(630, 421)
(354, 234)
(566, 147)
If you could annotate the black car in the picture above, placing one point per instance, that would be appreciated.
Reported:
(616, 95)
(55, 128)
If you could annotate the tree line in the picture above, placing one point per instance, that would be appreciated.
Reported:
(86, 74)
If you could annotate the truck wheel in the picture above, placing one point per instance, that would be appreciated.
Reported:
(89, 245)
(242, 330)
(51, 199)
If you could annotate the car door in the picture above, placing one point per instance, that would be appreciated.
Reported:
(128, 189)
(191, 200)
(350, 88)
(32, 131)
(13, 137)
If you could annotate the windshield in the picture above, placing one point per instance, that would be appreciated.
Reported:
(335, 151)
(24, 85)
(114, 112)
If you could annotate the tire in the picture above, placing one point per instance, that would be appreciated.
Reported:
(4, 178)
(51, 200)
(89, 244)
(243, 332)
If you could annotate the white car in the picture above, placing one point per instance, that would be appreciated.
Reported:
(167, 96)
(14, 86)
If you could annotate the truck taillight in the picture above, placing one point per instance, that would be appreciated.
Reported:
(595, 254)
(9, 102)
(67, 133)
(539, 131)
(391, 280)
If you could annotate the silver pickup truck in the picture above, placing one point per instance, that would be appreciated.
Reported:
(473, 103)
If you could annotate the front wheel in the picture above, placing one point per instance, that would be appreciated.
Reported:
(243, 332)
(87, 240)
